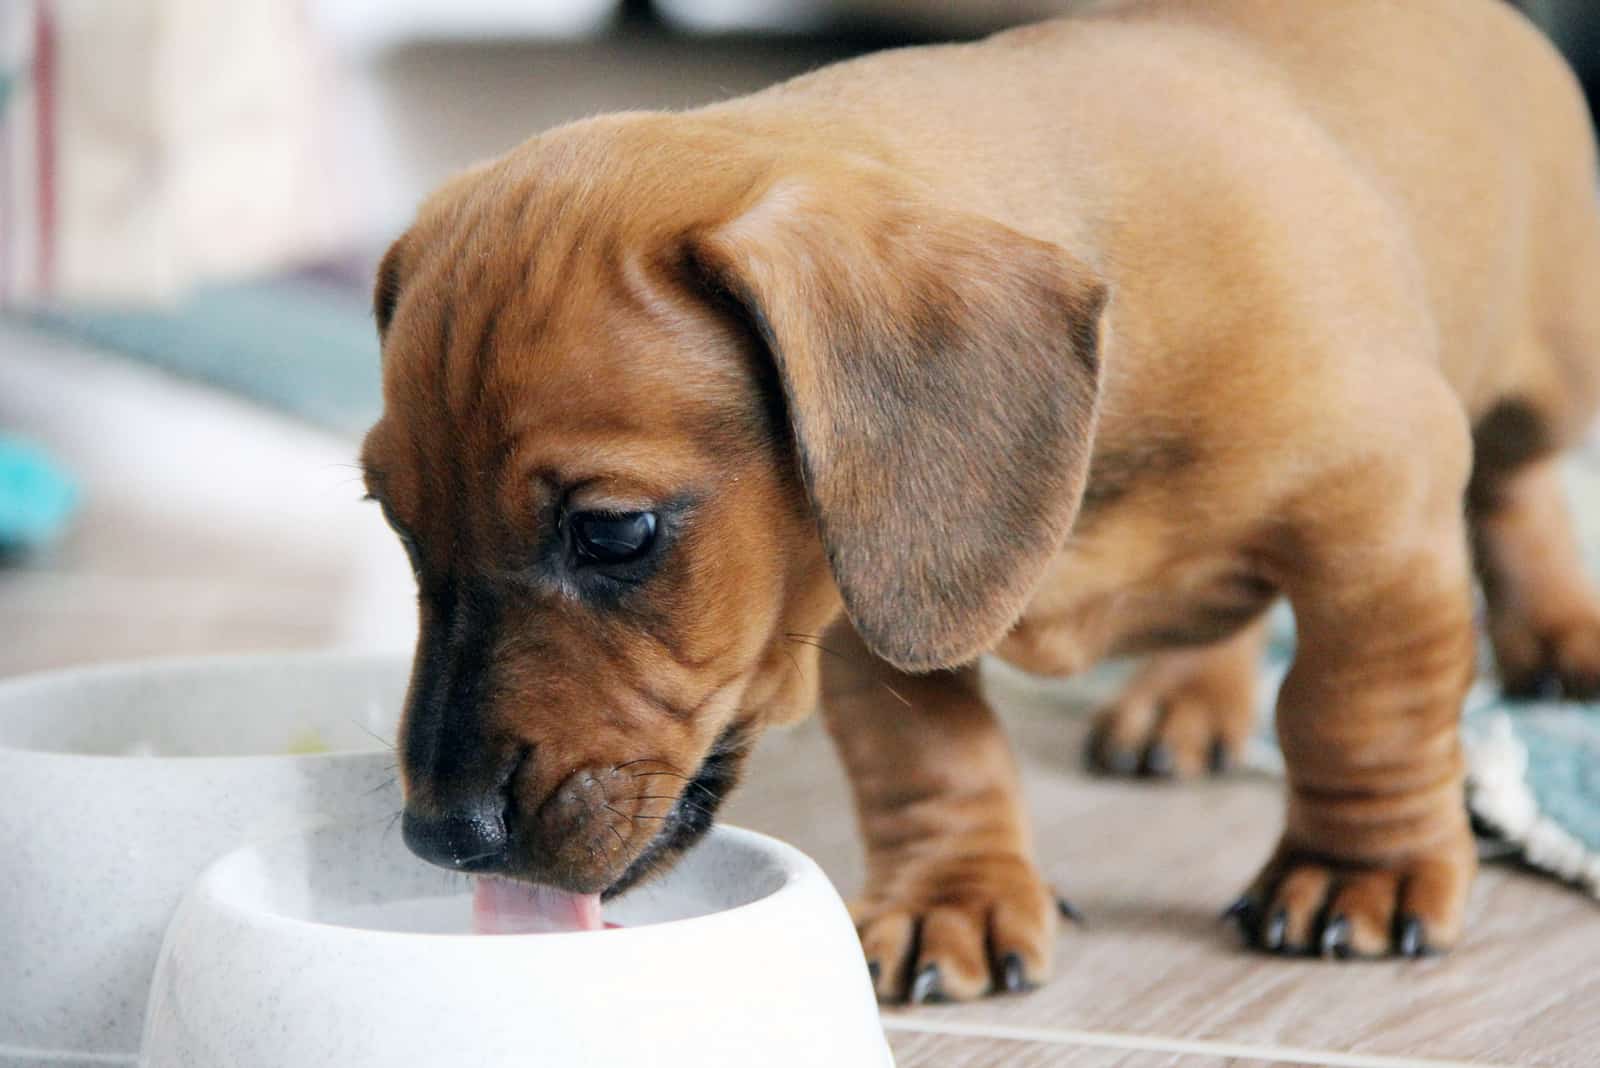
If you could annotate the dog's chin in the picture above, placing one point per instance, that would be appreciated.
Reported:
(692, 815)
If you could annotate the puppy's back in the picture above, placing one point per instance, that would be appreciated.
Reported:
(1177, 136)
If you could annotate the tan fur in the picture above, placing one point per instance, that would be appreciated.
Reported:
(855, 327)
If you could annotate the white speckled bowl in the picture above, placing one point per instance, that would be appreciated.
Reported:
(332, 948)
(99, 838)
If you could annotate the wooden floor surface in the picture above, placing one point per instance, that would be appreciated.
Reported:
(1151, 867)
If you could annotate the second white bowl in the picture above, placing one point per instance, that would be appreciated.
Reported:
(120, 784)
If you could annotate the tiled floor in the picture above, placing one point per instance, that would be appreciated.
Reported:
(1151, 980)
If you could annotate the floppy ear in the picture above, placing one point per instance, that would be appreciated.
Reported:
(941, 374)
(386, 289)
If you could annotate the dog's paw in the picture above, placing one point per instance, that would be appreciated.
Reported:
(1305, 904)
(1188, 732)
(1559, 658)
(958, 929)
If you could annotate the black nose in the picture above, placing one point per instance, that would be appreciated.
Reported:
(470, 839)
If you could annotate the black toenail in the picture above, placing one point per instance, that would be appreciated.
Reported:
(1242, 912)
(1112, 759)
(1069, 911)
(1411, 941)
(1012, 974)
(1158, 761)
(1123, 762)
(1336, 938)
(1276, 930)
(1221, 759)
(925, 987)
(1541, 685)
(874, 969)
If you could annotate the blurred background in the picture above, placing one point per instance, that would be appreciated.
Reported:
(193, 194)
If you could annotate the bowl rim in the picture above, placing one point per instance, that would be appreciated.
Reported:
(20, 687)
(797, 871)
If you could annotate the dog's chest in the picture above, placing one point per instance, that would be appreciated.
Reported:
(1092, 606)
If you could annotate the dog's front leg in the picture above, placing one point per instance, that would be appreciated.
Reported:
(954, 906)
(1377, 856)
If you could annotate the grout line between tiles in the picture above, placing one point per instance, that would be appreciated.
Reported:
(1158, 1043)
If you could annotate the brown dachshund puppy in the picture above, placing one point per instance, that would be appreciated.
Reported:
(1093, 338)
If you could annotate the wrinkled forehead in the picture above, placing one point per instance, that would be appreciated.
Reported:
(566, 351)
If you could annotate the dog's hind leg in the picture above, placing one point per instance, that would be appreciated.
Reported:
(1185, 711)
(954, 906)
(1544, 613)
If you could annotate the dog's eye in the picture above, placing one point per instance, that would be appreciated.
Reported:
(610, 538)
(406, 540)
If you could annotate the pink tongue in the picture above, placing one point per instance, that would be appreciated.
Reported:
(503, 906)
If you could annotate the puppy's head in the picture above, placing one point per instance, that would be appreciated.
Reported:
(658, 404)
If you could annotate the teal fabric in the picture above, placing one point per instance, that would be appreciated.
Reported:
(1563, 746)
(303, 344)
(37, 498)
